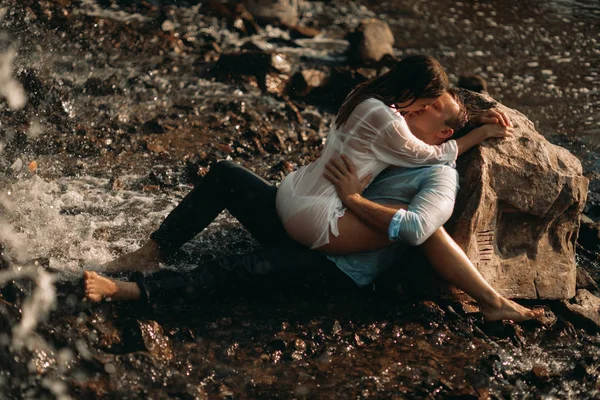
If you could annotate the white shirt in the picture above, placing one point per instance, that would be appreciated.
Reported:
(374, 137)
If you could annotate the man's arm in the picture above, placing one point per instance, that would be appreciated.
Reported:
(429, 209)
(342, 174)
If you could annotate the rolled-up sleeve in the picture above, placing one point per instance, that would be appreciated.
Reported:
(429, 210)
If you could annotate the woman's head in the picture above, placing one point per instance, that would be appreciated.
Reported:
(411, 85)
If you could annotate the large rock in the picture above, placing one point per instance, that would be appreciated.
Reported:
(371, 41)
(517, 211)
(281, 11)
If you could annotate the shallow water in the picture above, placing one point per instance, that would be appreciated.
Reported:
(104, 179)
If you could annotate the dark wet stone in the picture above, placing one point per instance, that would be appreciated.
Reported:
(303, 82)
(300, 31)
(263, 66)
(100, 87)
(474, 83)
(584, 309)
(585, 281)
(33, 85)
(152, 127)
(237, 17)
(589, 234)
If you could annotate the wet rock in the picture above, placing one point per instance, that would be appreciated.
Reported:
(155, 342)
(313, 120)
(541, 373)
(238, 17)
(474, 83)
(153, 126)
(585, 281)
(102, 87)
(585, 309)
(284, 12)
(303, 82)
(517, 213)
(589, 234)
(302, 32)
(269, 69)
(36, 90)
(372, 40)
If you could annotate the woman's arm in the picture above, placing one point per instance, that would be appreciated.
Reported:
(478, 135)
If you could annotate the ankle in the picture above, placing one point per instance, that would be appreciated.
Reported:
(152, 250)
(494, 302)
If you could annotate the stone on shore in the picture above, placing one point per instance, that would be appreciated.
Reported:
(371, 41)
(517, 211)
(281, 11)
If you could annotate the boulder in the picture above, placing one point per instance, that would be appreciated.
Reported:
(284, 12)
(372, 40)
(475, 83)
(585, 308)
(517, 211)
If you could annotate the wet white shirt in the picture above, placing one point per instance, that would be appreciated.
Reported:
(374, 137)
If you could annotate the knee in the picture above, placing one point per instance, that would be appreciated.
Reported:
(220, 172)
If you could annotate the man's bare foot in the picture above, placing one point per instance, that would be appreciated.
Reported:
(508, 309)
(145, 259)
(98, 288)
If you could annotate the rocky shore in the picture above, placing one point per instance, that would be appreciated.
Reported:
(129, 103)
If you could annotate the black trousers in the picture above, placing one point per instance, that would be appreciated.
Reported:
(251, 200)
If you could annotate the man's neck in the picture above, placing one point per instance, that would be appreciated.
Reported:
(428, 138)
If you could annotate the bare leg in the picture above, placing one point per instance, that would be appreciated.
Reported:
(145, 259)
(450, 261)
(98, 288)
(355, 236)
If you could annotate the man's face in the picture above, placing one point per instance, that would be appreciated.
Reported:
(428, 123)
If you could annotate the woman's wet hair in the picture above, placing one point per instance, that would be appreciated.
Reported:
(412, 78)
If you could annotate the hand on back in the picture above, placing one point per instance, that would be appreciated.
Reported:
(341, 172)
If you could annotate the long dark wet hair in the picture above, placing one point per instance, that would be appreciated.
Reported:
(413, 77)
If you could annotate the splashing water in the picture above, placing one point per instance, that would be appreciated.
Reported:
(9, 87)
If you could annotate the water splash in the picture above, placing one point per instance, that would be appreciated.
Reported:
(35, 308)
(10, 88)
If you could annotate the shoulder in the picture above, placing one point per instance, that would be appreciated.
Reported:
(440, 172)
(374, 108)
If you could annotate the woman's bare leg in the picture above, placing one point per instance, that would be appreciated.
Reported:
(355, 236)
(145, 259)
(451, 262)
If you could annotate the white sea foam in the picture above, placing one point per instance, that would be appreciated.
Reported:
(9, 87)
(75, 221)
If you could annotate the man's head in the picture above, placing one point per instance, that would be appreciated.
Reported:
(439, 121)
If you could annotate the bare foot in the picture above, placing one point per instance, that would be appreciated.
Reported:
(145, 259)
(98, 288)
(508, 309)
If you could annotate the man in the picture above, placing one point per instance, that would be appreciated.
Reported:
(430, 191)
